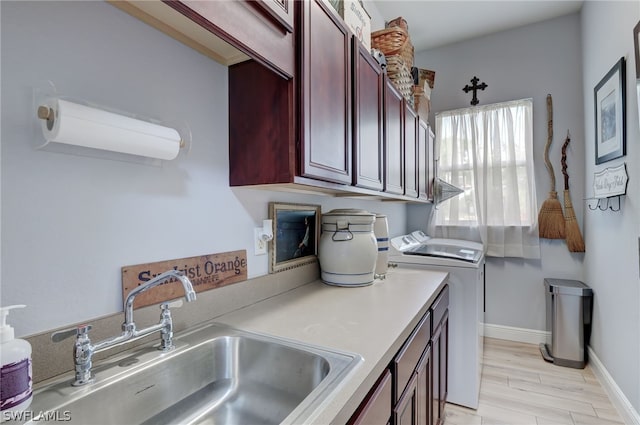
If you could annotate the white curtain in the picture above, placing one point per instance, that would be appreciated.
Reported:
(488, 152)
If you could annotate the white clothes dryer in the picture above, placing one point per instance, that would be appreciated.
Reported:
(464, 260)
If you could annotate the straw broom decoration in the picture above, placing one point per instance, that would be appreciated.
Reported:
(550, 218)
(575, 243)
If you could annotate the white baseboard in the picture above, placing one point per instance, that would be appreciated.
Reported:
(533, 336)
(529, 336)
(619, 400)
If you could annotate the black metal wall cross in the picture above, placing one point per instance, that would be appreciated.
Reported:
(475, 87)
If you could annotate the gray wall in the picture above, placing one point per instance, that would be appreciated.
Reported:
(566, 57)
(528, 62)
(69, 223)
(611, 260)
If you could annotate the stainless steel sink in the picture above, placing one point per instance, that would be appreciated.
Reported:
(216, 375)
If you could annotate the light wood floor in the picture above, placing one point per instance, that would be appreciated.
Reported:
(519, 388)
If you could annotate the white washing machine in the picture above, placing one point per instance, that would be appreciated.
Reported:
(464, 260)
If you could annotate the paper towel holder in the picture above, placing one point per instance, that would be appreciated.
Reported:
(46, 113)
(42, 100)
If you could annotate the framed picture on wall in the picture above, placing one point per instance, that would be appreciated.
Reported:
(609, 105)
(296, 230)
(636, 44)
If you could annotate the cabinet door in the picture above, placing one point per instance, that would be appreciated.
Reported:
(431, 163)
(435, 376)
(280, 10)
(410, 151)
(376, 407)
(324, 93)
(406, 410)
(440, 353)
(393, 139)
(423, 159)
(367, 119)
(424, 371)
(406, 361)
(444, 363)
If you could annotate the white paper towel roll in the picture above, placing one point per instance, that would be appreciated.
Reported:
(81, 125)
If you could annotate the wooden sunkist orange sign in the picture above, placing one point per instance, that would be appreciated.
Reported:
(205, 272)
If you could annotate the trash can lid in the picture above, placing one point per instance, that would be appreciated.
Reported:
(567, 286)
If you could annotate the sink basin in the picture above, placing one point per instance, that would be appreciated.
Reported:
(216, 375)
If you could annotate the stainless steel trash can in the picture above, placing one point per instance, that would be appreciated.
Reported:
(569, 305)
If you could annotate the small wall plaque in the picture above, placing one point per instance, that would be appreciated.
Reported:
(205, 272)
(610, 182)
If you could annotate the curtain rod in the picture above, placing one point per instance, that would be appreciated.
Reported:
(475, 108)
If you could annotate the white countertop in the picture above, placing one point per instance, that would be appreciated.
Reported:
(372, 321)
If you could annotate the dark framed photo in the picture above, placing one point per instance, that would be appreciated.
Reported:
(636, 45)
(609, 104)
(296, 230)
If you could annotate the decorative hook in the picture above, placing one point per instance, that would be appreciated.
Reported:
(600, 204)
(611, 206)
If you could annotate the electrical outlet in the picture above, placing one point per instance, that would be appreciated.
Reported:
(260, 245)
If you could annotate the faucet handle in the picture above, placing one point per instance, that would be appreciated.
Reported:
(67, 333)
(171, 304)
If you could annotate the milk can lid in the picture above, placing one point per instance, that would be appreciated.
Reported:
(353, 215)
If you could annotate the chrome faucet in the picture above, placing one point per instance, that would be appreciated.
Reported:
(84, 350)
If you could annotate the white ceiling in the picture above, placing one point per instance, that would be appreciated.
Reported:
(435, 23)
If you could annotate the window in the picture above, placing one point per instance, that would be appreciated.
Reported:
(488, 152)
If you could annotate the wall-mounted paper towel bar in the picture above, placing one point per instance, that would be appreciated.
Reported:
(66, 122)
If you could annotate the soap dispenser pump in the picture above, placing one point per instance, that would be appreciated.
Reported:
(15, 374)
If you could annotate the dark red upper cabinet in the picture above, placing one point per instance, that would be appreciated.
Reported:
(324, 93)
(367, 119)
(339, 126)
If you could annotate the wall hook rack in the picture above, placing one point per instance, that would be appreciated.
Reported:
(604, 204)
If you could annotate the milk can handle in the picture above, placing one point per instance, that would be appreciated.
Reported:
(342, 226)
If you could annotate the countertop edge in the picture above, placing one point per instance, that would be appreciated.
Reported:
(367, 383)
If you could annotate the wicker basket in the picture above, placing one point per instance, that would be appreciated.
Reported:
(401, 77)
(394, 41)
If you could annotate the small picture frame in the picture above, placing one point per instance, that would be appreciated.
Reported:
(636, 45)
(610, 116)
(296, 230)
